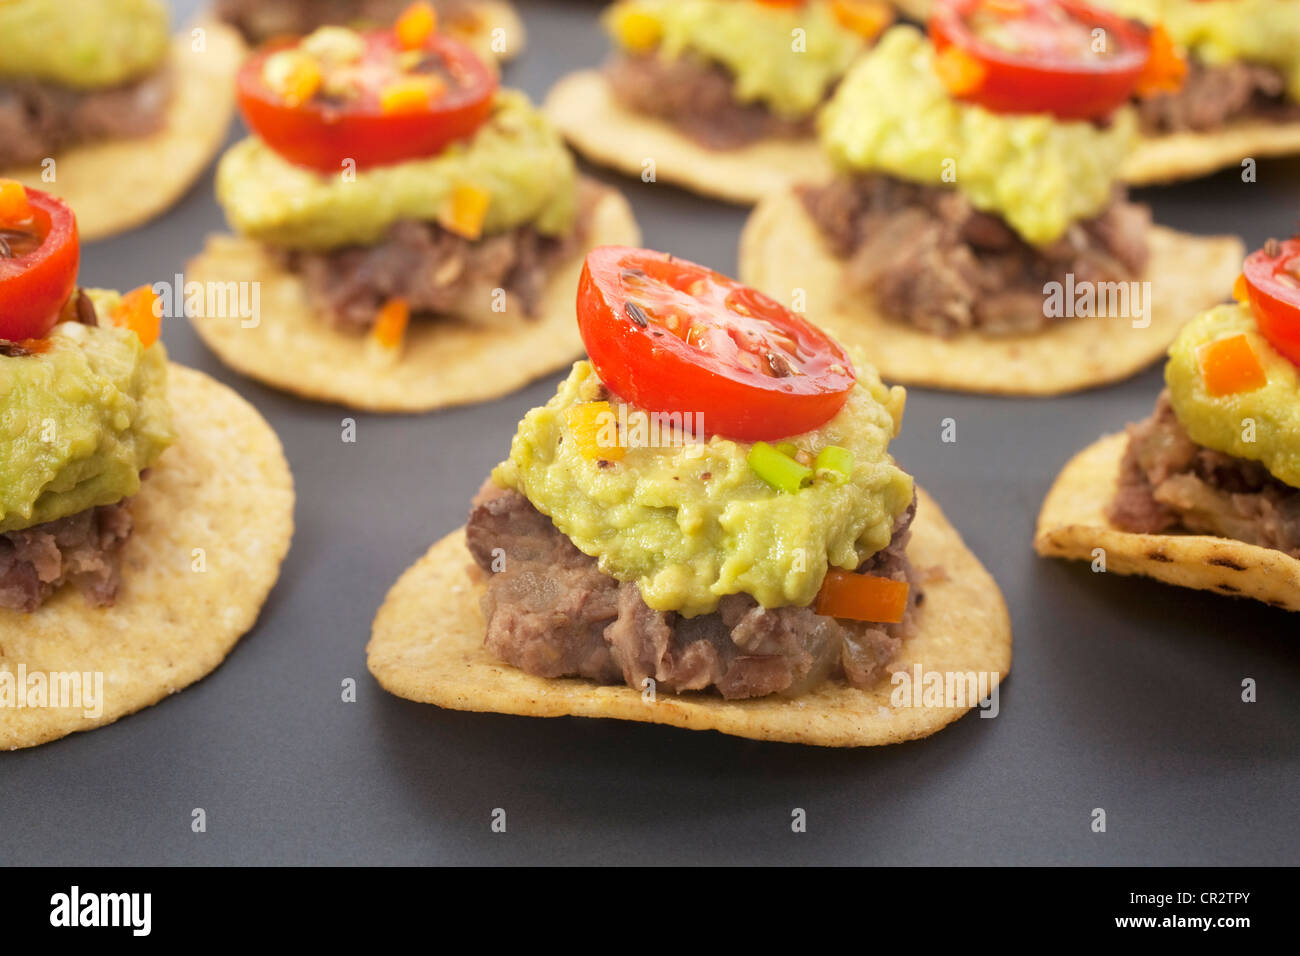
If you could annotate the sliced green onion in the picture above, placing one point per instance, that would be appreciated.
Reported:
(780, 471)
(834, 462)
(787, 448)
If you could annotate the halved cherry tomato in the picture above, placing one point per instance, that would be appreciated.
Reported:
(1272, 277)
(39, 273)
(324, 130)
(1037, 56)
(667, 335)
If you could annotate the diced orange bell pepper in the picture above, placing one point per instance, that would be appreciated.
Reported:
(1230, 366)
(416, 24)
(390, 327)
(864, 17)
(410, 94)
(862, 597)
(15, 210)
(303, 81)
(138, 312)
(465, 210)
(1166, 69)
(637, 31)
(1241, 290)
(960, 72)
(587, 422)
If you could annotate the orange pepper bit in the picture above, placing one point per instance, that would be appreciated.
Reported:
(416, 24)
(960, 72)
(1166, 69)
(390, 327)
(862, 597)
(139, 312)
(302, 82)
(864, 17)
(15, 210)
(1241, 290)
(587, 422)
(465, 211)
(410, 94)
(1230, 366)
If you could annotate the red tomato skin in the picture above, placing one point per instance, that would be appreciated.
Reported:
(660, 373)
(1069, 92)
(1276, 306)
(322, 138)
(35, 287)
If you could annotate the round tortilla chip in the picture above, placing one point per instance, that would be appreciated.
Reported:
(1073, 523)
(223, 487)
(427, 645)
(781, 251)
(1175, 156)
(116, 185)
(581, 108)
(442, 362)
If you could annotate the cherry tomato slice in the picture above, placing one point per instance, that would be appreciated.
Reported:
(1037, 56)
(667, 335)
(322, 132)
(1273, 283)
(40, 274)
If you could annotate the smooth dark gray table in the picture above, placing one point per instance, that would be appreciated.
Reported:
(1125, 694)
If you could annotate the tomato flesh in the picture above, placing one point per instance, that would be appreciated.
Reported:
(323, 132)
(40, 274)
(1273, 284)
(667, 335)
(1036, 56)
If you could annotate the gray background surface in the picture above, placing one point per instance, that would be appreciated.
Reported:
(1124, 693)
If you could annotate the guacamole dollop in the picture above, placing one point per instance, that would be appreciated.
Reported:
(79, 422)
(516, 157)
(692, 524)
(82, 43)
(1221, 422)
(892, 114)
(757, 43)
(1224, 31)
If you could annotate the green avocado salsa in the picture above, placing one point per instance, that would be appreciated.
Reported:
(892, 114)
(79, 422)
(758, 44)
(690, 523)
(1224, 422)
(1224, 31)
(516, 157)
(82, 43)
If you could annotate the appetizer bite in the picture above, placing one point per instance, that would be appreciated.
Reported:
(144, 508)
(412, 228)
(1205, 493)
(976, 236)
(490, 27)
(715, 95)
(704, 527)
(1235, 84)
(1241, 95)
(100, 107)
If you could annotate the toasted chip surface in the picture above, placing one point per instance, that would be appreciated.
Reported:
(213, 523)
(1073, 524)
(427, 645)
(781, 251)
(582, 109)
(442, 362)
(115, 185)
(1164, 159)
